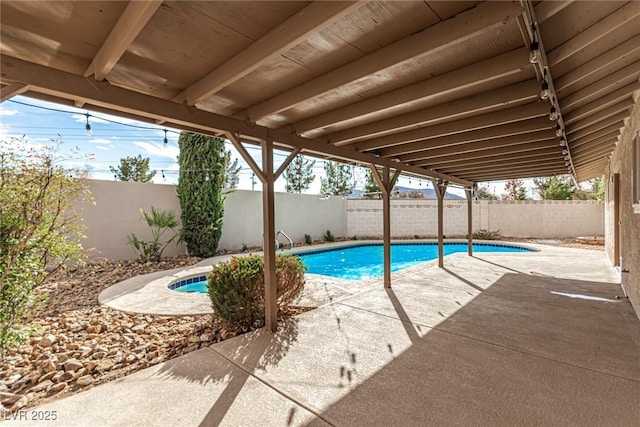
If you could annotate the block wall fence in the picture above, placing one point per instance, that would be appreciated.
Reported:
(116, 214)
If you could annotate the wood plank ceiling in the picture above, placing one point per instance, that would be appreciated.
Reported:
(443, 89)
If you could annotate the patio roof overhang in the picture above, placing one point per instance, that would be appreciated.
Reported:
(432, 88)
(445, 90)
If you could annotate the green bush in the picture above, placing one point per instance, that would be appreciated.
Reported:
(307, 239)
(329, 237)
(483, 234)
(236, 288)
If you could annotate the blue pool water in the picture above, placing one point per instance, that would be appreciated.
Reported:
(365, 261)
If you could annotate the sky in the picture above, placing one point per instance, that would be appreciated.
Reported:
(113, 138)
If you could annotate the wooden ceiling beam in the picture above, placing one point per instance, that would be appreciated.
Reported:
(65, 85)
(515, 143)
(497, 160)
(602, 103)
(615, 113)
(11, 90)
(610, 83)
(492, 100)
(524, 130)
(312, 18)
(536, 148)
(546, 9)
(129, 25)
(605, 136)
(495, 68)
(436, 38)
(557, 161)
(488, 120)
(504, 174)
(596, 130)
(628, 50)
(595, 154)
(603, 142)
(595, 32)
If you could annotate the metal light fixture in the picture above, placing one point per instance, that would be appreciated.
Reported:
(87, 127)
(534, 55)
(553, 113)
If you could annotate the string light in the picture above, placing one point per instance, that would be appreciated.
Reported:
(87, 127)
(534, 55)
(553, 113)
(559, 131)
(165, 141)
(545, 92)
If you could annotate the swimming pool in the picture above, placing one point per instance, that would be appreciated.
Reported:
(364, 261)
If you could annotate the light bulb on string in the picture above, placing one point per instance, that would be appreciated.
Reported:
(563, 141)
(559, 131)
(553, 114)
(87, 127)
(545, 92)
(534, 54)
(165, 141)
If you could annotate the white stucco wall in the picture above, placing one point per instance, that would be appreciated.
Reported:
(116, 214)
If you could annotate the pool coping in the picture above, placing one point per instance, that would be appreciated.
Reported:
(150, 293)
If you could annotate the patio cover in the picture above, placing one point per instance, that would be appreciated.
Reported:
(445, 90)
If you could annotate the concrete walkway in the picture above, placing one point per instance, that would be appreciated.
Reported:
(496, 339)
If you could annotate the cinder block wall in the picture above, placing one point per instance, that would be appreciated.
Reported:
(538, 219)
(621, 163)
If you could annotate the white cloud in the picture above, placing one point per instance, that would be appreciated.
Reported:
(7, 112)
(158, 150)
(104, 147)
(100, 141)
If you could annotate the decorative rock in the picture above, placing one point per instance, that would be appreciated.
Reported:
(99, 355)
(193, 338)
(139, 329)
(47, 376)
(91, 366)
(21, 403)
(48, 366)
(48, 340)
(72, 365)
(67, 376)
(104, 365)
(8, 399)
(42, 386)
(56, 388)
(84, 381)
(131, 358)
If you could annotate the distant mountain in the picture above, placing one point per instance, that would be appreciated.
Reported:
(429, 193)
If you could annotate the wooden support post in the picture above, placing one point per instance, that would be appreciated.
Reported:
(267, 176)
(440, 188)
(386, 183)
(469, 194)
(268, 215)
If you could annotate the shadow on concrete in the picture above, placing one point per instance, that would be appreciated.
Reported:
(504, 359)
(267, 350)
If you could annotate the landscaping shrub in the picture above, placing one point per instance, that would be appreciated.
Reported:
(307, 239)
(329, 237)
(236, 288)
(40, 230)
(160, 222)
(483, 234)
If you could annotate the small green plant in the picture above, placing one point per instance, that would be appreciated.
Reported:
(236, 288)
(329, 237)
(307, 239)
(245, 248)
(415, 236)
(483, 234)
(354, 237)
(160, 222)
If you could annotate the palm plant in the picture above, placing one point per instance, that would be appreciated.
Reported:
(160, 222)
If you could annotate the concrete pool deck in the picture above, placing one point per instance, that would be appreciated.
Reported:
(150, 293)
(494, 339)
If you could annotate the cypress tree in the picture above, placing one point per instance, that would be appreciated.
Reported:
(203, 162)
(337, 180)
(299, 175)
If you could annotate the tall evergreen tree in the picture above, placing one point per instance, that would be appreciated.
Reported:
(299, 175)
(133, 169)
(337, 179)
(232, 172)
(202, 163)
